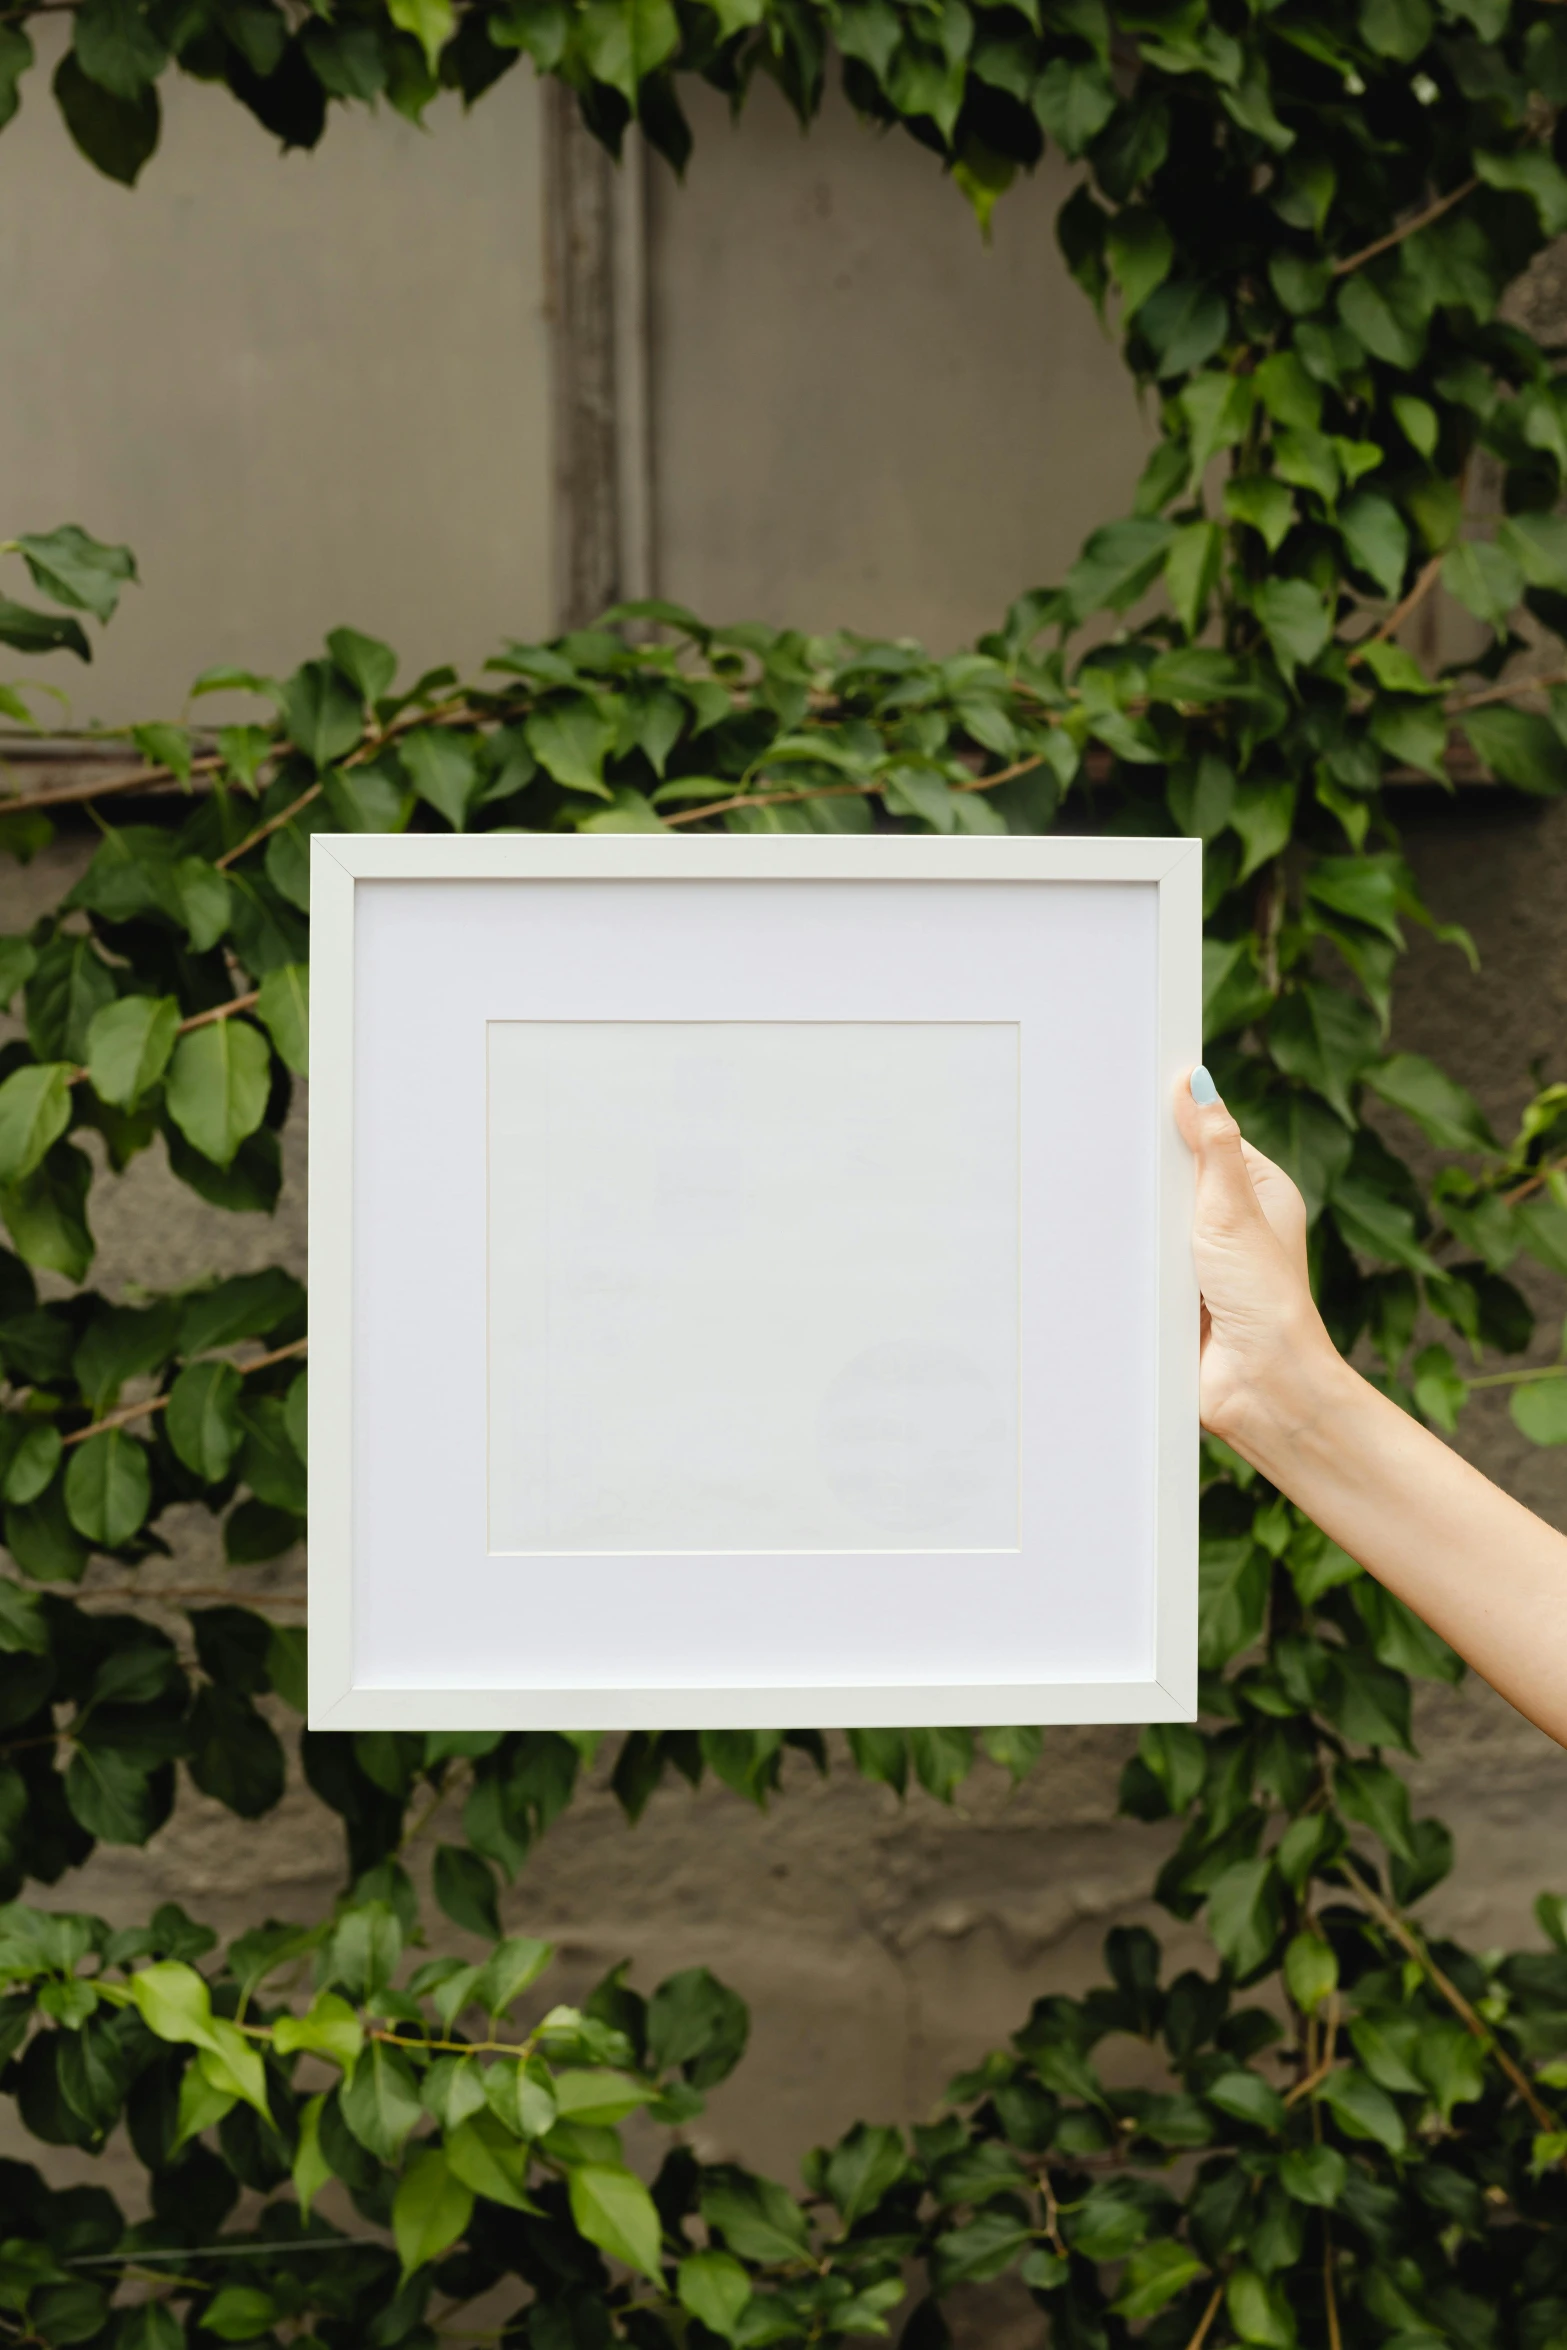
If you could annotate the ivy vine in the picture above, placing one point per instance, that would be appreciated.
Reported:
(1304, 220)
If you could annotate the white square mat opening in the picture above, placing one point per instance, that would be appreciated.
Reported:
(753, 1286)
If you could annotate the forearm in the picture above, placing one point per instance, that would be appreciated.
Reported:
(1481, 1570)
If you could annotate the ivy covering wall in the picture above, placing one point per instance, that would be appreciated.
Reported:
(1302, 221)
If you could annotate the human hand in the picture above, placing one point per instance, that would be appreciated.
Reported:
(1264, 1345)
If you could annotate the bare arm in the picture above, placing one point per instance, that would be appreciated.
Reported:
(1482, 1570)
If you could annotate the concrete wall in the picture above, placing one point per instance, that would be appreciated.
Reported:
(306, 389)
(863, 416)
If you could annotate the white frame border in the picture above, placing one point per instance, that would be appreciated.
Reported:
(338, 862)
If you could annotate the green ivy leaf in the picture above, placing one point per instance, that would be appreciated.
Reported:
(1217, 407)
(201, 2106)
(117, 47)
(22, 1629)
(1394, 667)
(697, 2023)
(1539, 1410)
(1537, 543)
(1378, 1799)
(882, 1756)
(1177, 1755)
(1445, 1111)
(443, 770)
(283, 1008)
(624, 41)
(1141, 251)
(1183, 322)
(1116, 565)
(1362, 2109)
(203, 1419)
(1325, 1039)
(16, 55)
(240, 2313)
(311, 2169)
(1531, 172)
(509, 1970)
(43, 1542)
(1452, 2065)
(1234, 993)
(112, 1795)
(69, 564)
(35, 1110)
(69, 985)
(323, 713)
(1384, 319)
(1259, 2310)
(863, 2169)
(985, 2247)
(1074, 99)
(108, 1489)
(613, 2209)
(27, 631)
(248, 1305)
(1440, 1391)
(715, 2289)
(1519, 747)
(757, 2219)
(1376, 539)
(269, 1463)
(487, 2158)
(571, 739)
(1016, 1751)
(1314, 2175)
(33, 1464)
(1483, 576)
(235, 1755)
(942, 1760)
(379, 2101)
(1297, 621)
(1247, 2097)
(364, 660)
(217, 1087)
(430, 2210)
(128, 1047)
(1192, 568)
(1155, 2274)
(1398, 29)
(117, 135)
(1105, 2226)
(1245, 1914)
(1232, 1600)
(1305, 458)
(465, 1887)
(174, 2003)
(1263, 502)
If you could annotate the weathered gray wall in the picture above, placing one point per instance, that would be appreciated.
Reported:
(863, 416)
(306, 389)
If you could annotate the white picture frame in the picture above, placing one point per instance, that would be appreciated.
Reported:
(460, 980)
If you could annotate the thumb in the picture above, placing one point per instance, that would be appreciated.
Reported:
(1214, 1140)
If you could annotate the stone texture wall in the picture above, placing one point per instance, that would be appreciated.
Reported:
(863, 415)
(307, 389)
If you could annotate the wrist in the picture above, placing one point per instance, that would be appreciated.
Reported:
(1286, 1408)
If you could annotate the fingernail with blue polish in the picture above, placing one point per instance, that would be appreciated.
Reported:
(1203, 1088)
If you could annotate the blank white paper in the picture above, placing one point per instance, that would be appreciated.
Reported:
(753, 1285)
